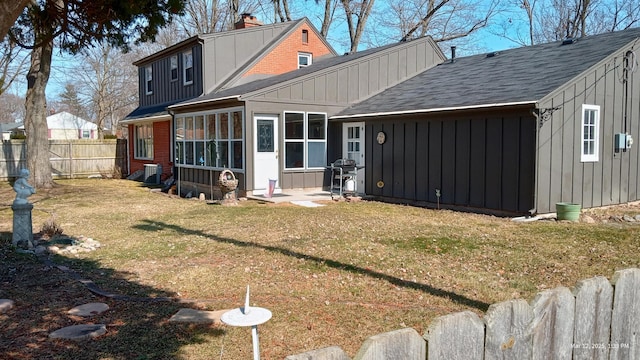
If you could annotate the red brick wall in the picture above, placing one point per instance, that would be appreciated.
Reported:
(161, 149)
(284, 57)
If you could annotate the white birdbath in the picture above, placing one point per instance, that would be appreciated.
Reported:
(248, 316)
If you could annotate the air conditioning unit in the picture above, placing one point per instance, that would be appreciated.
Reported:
(152, 174)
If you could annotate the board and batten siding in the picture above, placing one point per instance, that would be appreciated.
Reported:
(359, 79)
(226, 52)
(166, 90)
(614, 178)
(482, 160)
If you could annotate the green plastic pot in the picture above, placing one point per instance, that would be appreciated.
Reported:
(568, 211)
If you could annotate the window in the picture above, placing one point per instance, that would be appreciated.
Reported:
(174, 67)
(305, 144)
(590, 133)
(148, 80)
(211, 140)
(143, 143)
(304, 60)
(86, 134)
(305, 36)
(187, 71)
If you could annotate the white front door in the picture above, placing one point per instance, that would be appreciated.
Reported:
(265, 155)
(353, 148)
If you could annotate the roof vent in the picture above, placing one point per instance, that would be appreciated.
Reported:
(493, 54)
(453, 54)
(569, 41)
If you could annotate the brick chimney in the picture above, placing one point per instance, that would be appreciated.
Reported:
(247, 20)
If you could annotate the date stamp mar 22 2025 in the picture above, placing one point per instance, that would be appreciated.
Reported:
(600, 346)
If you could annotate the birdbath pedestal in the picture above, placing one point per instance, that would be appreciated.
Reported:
(248, 316)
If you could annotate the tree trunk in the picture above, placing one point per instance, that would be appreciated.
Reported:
(35, 123)
(9, 12)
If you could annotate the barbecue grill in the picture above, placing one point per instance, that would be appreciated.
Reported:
(344, 174)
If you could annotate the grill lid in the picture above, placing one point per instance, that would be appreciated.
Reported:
(344, 163)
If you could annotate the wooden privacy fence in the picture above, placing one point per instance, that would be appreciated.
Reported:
(598, 320)
(69, 158)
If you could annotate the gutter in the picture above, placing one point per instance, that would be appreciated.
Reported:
(204, 101)
(536, 167)
(432, 110)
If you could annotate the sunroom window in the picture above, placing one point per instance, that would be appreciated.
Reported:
(211, 139)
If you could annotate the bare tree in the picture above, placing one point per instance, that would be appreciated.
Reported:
(12, 107)
(12, 61)
(552, 20)
(356, 13)
(110, 87)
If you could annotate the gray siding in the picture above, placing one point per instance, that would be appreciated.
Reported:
(478, 161)
(359, 79)
(227, 52)
(613, 179)
(164, 89)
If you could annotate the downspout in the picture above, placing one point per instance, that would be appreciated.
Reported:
(535, 112)
(172, 151)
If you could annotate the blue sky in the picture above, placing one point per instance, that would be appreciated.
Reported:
(483, 40)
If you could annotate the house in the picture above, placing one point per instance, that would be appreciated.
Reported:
(278, 129)
(66, 126)
(204, 64)
(510, 132)
(9, 129)
(515, 131)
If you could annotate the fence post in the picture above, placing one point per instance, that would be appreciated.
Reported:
(508, 335)
(405, 344)
(458, 336)
(592, 325)
(552, 324)
(625, 320)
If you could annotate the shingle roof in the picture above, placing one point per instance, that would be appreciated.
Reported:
(524, 74)
(260, 84)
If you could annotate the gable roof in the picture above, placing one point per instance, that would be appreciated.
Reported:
(65, 120)
(321, 66)
(516, 76)
(256, 48)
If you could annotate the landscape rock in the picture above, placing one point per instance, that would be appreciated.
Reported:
(5, 305)
(628, 218)
(79, 332)
(89, 309)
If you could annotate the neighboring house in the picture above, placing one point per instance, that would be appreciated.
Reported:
(9, 129)
(66, 126)
(515, 131)
(205, 64)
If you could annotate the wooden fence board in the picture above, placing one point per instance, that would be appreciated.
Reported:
(404, 344)
(458, 336)
(552, 324)
(594, 298)
(625, 319)
(508, 335)
(328, 353)
(69, 158)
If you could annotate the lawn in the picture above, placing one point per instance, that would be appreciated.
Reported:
(332, 275)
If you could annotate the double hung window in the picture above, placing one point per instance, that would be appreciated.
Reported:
(590, 133)
(143, 141)
(305, 142)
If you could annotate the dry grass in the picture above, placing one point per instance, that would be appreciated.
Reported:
(333, 275)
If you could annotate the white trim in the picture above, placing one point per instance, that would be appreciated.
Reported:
(177, 106)
(419, 111)
(596, 134)
(145, 119)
